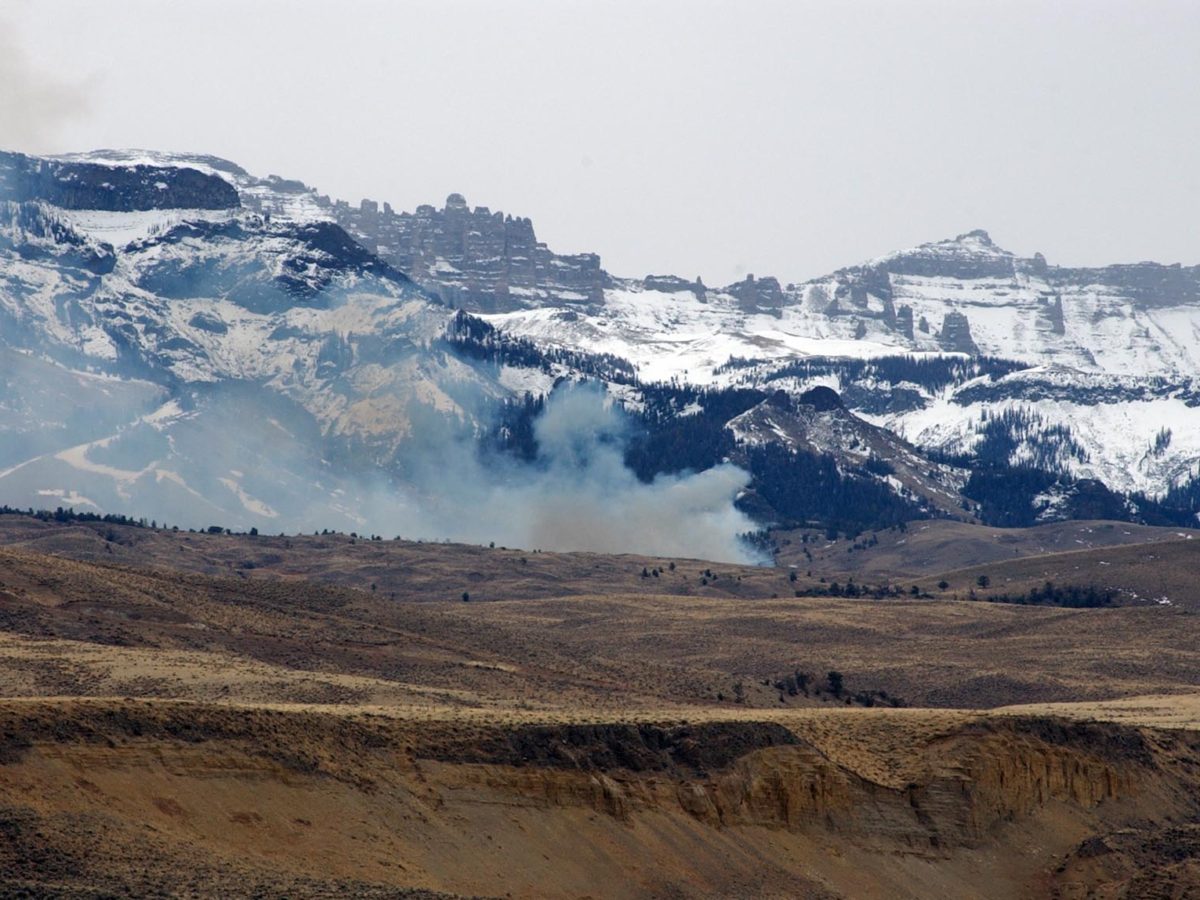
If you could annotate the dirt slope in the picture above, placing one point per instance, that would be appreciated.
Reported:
(313, 804)
(212, 729)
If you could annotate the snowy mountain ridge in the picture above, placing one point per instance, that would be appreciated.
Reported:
(202, 282)
(1112, 353)
(232, 331)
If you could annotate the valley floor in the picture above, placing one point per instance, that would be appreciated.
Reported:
(210, 715)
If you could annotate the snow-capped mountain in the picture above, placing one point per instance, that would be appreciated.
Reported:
(1110, 354)
(157, 294)
(963, 295)
(200, 296)
(179, 334)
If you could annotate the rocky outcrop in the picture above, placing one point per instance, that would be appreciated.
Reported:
(755, 295)
(974, 780)
(971, 255)
(822, 399)
(956, 334)
(1148, 285)
(81, 185)
(475, 259)
(671, 284)
(1055, 321)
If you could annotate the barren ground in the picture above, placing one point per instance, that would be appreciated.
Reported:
(215, 715)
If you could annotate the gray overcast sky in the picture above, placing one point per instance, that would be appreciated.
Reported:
(695, 138)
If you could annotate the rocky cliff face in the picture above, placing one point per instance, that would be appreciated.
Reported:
(995, 808)
(475, 259)
(971, 782)
(993, 302)
(70, 184)
(962, 295)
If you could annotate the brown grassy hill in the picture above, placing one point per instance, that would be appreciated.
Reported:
(396, 569)
(935, 546)
(317, 642)
(1157, 573)
(175, 721)
(415, 571)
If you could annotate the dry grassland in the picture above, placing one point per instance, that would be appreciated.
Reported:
(206, 714)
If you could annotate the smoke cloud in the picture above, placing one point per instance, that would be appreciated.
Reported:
(578, 494)
(239, 456)
(34, 105)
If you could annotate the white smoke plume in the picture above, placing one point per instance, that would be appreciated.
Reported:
(34, 103)
(579, 495)
(240, 459)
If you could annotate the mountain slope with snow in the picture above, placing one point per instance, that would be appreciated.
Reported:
(1110, 354)
(253, 333)
(163, 290)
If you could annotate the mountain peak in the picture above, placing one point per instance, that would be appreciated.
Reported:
(974, 242)
(977, 236)
(972, 254)
(164, 159)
